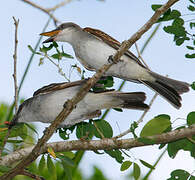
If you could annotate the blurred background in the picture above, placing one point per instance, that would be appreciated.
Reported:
(120, 19)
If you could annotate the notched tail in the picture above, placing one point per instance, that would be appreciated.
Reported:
(179, 86)
(170, 89)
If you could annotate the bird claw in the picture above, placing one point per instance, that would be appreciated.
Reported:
(111, 60)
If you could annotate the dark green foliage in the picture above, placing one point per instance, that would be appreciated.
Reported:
(178, 28)
(105, 129)
(85, 130)
(180, 174)
(191, 118)
(134, 125)
(193, 85)
(97, 174)
(182, 144)
(116, 154)
(147, 164)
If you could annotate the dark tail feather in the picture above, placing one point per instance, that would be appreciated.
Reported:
(167, 92)
(170, 89)
(179, 86)
(134, 100)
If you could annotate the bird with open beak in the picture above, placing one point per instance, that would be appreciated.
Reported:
(48, 102)
(93, 47)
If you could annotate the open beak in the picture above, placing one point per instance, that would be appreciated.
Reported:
(51, 34)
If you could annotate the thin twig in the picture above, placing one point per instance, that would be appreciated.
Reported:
(33, 176)
(145, 112)
(16, 22)
(63, 3)
(43, 10)
(98, 130)
(191, 140)
(58, 66)
(70, 104)
(139, 56)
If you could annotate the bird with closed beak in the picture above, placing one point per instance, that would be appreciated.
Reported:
(48, 102)
(93, 47)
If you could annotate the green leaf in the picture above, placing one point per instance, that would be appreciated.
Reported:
(4, 169)
(193, 85)
(136, 171)
(44, 49)
(190, 47)
(51, 166)
(104, 127)
(147, 164)
(31, 128)
(97, 174)
(68, 154)
(63, 134)
(55, 44)
(56, 56)
(67, 170)
(115, 154)
(107, 81)
(175, 14)
(190, 55)
(180, 41)
(178, 31)
(42, 164)
(191, 8)
(178, 22)
(191, 118)
(192, 1)
(84, 130)
(161, 146)
(31, 49)
(156, 126)
(17, 130)
(118, 109)
(67, 55)
(134, 125)
(192, 25)
(125, 165)
(155, 6)
(183, 144)
(180, 174)
(69, 162)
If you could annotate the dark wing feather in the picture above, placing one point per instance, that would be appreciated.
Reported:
(58, 86)
(111, 42)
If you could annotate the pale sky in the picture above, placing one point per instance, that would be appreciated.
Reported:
(120, 19)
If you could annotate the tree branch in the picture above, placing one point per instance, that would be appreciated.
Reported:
(43, 10)
(63, 3)
(70, 104)
(16, 22)
(103, 144)
(33, 176)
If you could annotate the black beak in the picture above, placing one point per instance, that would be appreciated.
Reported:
(51, 39)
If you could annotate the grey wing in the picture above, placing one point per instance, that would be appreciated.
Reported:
(58, 86)
(111, 42)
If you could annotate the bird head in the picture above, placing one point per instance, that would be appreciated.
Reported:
(62, 33)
